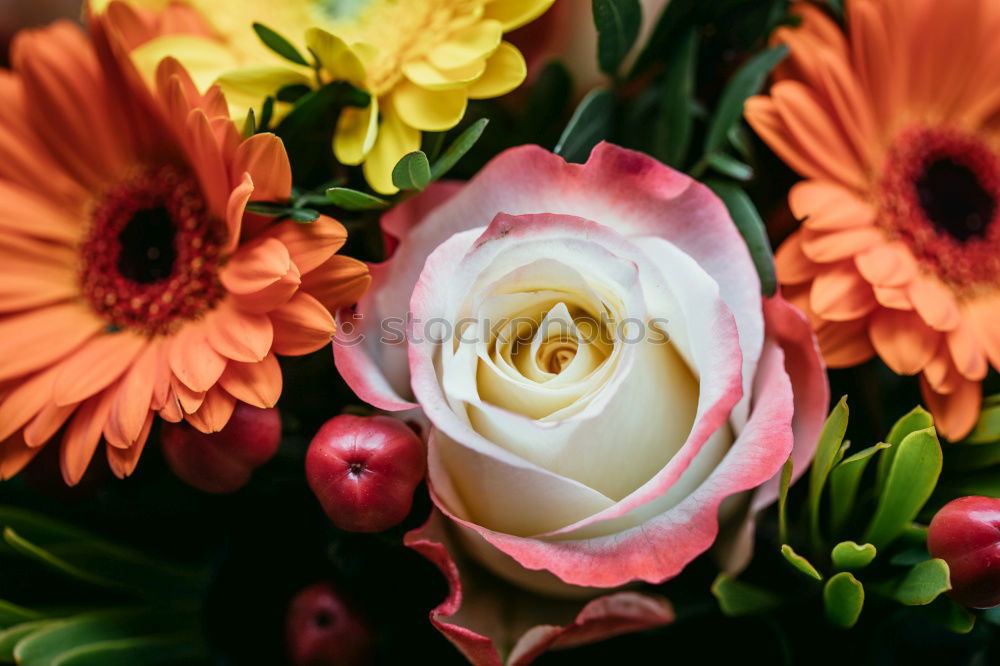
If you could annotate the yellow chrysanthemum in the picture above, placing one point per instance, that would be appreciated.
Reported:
(421, 61)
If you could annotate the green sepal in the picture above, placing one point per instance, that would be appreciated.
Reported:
(843, 599)
(849, 556)
(800, 563)
(737, 598)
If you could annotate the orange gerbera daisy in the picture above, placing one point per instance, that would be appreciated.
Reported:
(896, 127)
(133, 281)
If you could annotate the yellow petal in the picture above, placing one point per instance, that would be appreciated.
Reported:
(429, 110)
(505, 70)
(515, 13)
(356, 133)
(247, 87)
(337, 58)
(395, 139)
(428, 76)
(202, 57)
(467, 45)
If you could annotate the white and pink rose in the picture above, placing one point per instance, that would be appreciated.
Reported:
(604, 385)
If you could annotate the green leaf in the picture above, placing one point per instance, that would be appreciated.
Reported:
(679, 15)
(617, 23)
(844, 481)
(800, 563)
(412, 172)
(911, 480)
(672, 130)
(175, 648)
(978, 456)
(28, 549)
(849, 556)
(459, 147)
(829, 442)
(590, 124)
(747, 81)
(751, 227)
(279, 44)
(267, 209)
(917, 419)
(950, 615)
(843, 598)
(317, 110)
(737, 598)
(303, 215)
(907, 557)
(9, 638)
(105, 560)
(729, 166)
(46, 646)
(266, 114)
(987, 428)
(923, 583)
(250, 124)
(11, 614)
(785, 482)
(348, 199)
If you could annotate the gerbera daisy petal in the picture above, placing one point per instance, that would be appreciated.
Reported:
(340, 282)
(37, 338)
(968, 356)
(310, 245)
(131, 408)
(263, 156)
(887, 265)
(791, 262)
(82, 436)
(123, 461)
(257, 384)
(14, 456)
(24, 400)
(845, 343)
(238, 335)
(194, 361)
(94, 366)
(828, 247)
(302, 326)
(826, 206)
(955, 413)
(934, 303)
(46, 423)
(841, 294)
(214, 412)
(902, 339)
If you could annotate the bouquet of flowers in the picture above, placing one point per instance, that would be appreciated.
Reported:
(499, 332)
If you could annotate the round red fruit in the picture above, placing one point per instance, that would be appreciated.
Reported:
(364, 470)
(323, 628)
(965, 533)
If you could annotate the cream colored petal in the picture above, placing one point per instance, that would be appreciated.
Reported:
(395, 139)
(505, 70)
(426, 75)
(357, 130)
(515, 13)
(204, 59)
(467, 45)
(429, 110)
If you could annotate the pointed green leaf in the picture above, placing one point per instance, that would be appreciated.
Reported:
(303, 215)
(25, 547)
(826, 450)
(747, 81)
(348, 199)
(737, 598)
(911, 480)
(279, 44)
(267, 209)
(786, 480)
(843, 598)
(844, 481)
(800, 563)
(674, 122)
(987, 428)
(849, 556)
(751, 227)
(617, 23)
(729, 166)
(9, 638)
(591, 123)
(463, 144)
(918, 419)
(250, 124)
(924, 583)
(412, 172)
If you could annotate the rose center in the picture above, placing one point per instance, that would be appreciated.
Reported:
(954, 200)
(556, 355)
(939, 194)
(151, 258)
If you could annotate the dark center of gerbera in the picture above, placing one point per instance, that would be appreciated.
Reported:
(151, 258)
(940, 194)
(954, 200)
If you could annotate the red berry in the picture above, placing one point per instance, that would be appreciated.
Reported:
(364, 470)
(223, 461)
(965, 533)
(323, 628)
